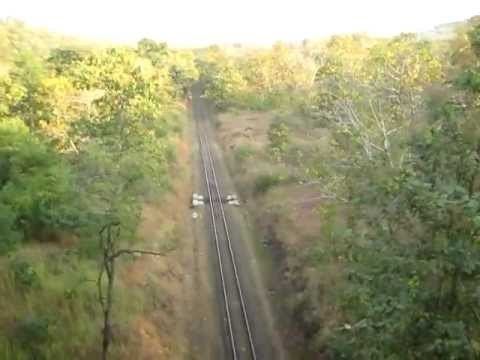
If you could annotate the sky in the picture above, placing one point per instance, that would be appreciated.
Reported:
(203, 22)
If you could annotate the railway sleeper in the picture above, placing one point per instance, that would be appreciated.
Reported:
(200, 200)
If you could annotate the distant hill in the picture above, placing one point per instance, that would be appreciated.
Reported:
(442, 32)
(448, 31)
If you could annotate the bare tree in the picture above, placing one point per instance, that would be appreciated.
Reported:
(108, 236)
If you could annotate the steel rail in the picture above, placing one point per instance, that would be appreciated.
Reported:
(220, 263)
(230, 249)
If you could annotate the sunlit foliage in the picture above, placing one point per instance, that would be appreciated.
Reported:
(86, 137)
(401, 175)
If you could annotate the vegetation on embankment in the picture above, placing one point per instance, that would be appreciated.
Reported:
(364, 174)
(367, 180)
(88, 135)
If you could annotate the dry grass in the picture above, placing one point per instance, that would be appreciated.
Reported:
(61, 294)
(244, 128)
(287, 218)
(158, 332)
(147, 317)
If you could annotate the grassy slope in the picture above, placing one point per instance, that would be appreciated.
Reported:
(50, 305)
(286, 218)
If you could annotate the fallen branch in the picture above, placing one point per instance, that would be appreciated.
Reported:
(134, 251)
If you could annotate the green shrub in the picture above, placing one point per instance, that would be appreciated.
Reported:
(279, 139)
(36, 186)
(9, 236)
(24, 274)
(265, 182)
(32, 333)
(243, 152)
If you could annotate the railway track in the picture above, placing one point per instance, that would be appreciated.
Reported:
(237, 326)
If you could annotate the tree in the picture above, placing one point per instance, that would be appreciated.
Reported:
(411, 249)
(374, 102)
(109, 235)
(183, 70)
(36, 186)
(63, 59)
(221, 77)
(85, 138)
(28, 73)
(157, 53)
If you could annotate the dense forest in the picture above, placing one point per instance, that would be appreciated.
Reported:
(86, 137)
(386, 133)
(385, 130)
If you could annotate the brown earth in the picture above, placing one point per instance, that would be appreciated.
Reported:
(160, 332)
(287, 218)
